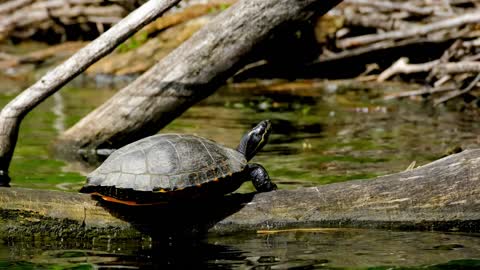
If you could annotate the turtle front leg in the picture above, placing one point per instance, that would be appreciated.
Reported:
(260, 179)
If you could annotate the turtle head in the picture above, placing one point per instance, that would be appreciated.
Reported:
(255, 139)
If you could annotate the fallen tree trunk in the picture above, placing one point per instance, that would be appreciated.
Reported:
(187, 75)
(442, 195)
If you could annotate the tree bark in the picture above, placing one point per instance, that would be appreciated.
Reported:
(13, 113)
(187, 75)
(442, 195)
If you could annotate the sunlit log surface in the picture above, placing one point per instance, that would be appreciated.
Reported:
(442, 195)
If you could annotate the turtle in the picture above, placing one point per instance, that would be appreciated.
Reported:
(172, 167)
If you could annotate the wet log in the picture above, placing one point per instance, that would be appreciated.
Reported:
(442, 195)
(188, 74)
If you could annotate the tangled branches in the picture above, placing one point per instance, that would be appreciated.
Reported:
(23, 19)
(381, 27)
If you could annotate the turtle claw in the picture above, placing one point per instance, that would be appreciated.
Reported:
(260, 179)
(266, 187)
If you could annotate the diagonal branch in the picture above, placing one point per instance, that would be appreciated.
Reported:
(13, 113)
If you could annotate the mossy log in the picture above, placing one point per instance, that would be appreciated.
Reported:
(442, 195)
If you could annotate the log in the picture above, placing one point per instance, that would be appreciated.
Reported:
(442, 195)
(460, 67)
(188, 74)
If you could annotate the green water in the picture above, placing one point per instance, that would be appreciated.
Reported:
(330, 249)
(322, 133)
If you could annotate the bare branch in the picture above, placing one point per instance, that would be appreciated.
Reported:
(13, 5)
(405, 6)
(12, 114)
(402, 66)
(458, 67)
(468, 18)
(457, 93)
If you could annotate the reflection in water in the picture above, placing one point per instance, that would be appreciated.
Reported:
(178, 255)
(322, 249)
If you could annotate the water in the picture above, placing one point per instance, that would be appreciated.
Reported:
(322, 133)
(321, 249)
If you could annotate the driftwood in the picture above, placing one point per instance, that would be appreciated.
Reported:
(458, 92)
(442, 195)
(402, 66)
(381, 32)
(409, 7)
(13, 113)
(188, 74)
(400, 25)
(408, 33)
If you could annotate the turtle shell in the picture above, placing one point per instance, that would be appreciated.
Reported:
(151, 169)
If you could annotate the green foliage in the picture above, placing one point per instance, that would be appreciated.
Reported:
(133, 43)
(219, 8)
(306, 109)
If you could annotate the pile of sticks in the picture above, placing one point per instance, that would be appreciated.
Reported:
(22, 19)
(374, 25)
(380, 38)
